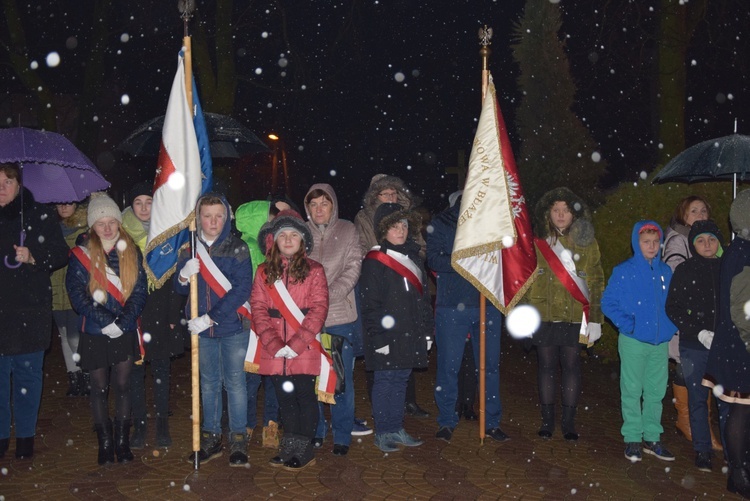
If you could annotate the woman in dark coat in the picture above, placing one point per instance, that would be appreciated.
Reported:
(691, 305)
(397, 319)
(728, 367)
(107, 287)
(25, 305)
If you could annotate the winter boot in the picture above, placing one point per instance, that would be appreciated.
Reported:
(715, 442)
(24, 447)
(122, 441)
(210, 447)
(568, 423)
(286, 450)
(106, 444)
(238, 450)
(271, 435)
(85, 383)
(163, 438)
(303, 455)
(74, 386)
(140, 428)
(683, 413)
(548, 421)
(738, 481)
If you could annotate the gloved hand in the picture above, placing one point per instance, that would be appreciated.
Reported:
(285, 352)
(429, 343)
(593, 331)
(199, 324)
(706, 337)
(385, 350)
(112, 331)
(192, 266)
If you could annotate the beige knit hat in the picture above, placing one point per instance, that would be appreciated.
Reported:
(101, 205)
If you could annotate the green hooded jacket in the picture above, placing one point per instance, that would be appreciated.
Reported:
(248, 219)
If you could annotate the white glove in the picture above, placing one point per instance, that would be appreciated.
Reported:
(199, 324)
(593, 331)
(385, 350)
(192, 266)
(112, 331)
(706, 338)
(429, 343)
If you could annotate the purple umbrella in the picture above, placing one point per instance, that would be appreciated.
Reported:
(54, 170)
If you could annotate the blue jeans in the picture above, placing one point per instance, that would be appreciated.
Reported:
(342, 414)
(451, 328)
(693, 367)
(270, 403)
(222, 359)
(388, 398)
(25, 372)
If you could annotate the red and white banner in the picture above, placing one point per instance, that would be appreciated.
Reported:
(177, 185)
(494, 244)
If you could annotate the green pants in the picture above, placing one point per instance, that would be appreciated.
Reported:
(643, 376)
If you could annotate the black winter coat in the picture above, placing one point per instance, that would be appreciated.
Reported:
(693, 297)
(26, 292)
(384, 293)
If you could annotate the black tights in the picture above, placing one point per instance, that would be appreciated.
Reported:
(120, 382)
(566, 357)
(737, 435)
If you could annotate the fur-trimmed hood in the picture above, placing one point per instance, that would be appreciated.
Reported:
(388, 214)
(581, 231)
(380, 182)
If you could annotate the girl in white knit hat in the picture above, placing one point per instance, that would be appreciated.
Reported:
(107, 287)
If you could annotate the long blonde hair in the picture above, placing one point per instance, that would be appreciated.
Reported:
(128, 259)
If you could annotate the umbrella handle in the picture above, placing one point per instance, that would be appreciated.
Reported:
(14, 266)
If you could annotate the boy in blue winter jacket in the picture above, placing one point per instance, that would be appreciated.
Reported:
(634, 300)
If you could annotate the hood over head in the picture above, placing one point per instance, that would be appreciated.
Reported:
(328, 190)
(581, 230)
(388, 214)
(219, 198)
(250, 217)
(406, 198)
(640, 226)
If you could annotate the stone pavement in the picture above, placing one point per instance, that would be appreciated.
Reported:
(526, 467)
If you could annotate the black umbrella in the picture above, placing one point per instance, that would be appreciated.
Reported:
(227, 137)
(718, 159)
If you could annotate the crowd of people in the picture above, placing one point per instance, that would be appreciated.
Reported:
(283, 299)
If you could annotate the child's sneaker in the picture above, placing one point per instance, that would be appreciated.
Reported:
(658, 450)
(633, 451)
(360, 428)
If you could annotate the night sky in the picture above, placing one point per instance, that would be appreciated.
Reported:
(357, 88)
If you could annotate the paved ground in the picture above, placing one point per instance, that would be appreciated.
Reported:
(64, 466)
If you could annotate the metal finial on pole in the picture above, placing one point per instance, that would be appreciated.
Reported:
(186, 8)
(485, 35)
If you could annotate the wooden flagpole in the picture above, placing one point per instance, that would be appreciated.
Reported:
(484, 39)
(194, 339)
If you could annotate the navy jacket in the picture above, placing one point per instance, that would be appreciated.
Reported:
(94, 316)
(636, 294)
(452, 288)
(232, 257)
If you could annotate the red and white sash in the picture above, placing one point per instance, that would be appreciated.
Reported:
(561, 262)
(294, 317)
(114, 288)
(400, 264)
(215, 279)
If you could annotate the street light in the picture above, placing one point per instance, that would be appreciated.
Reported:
(278, 148)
